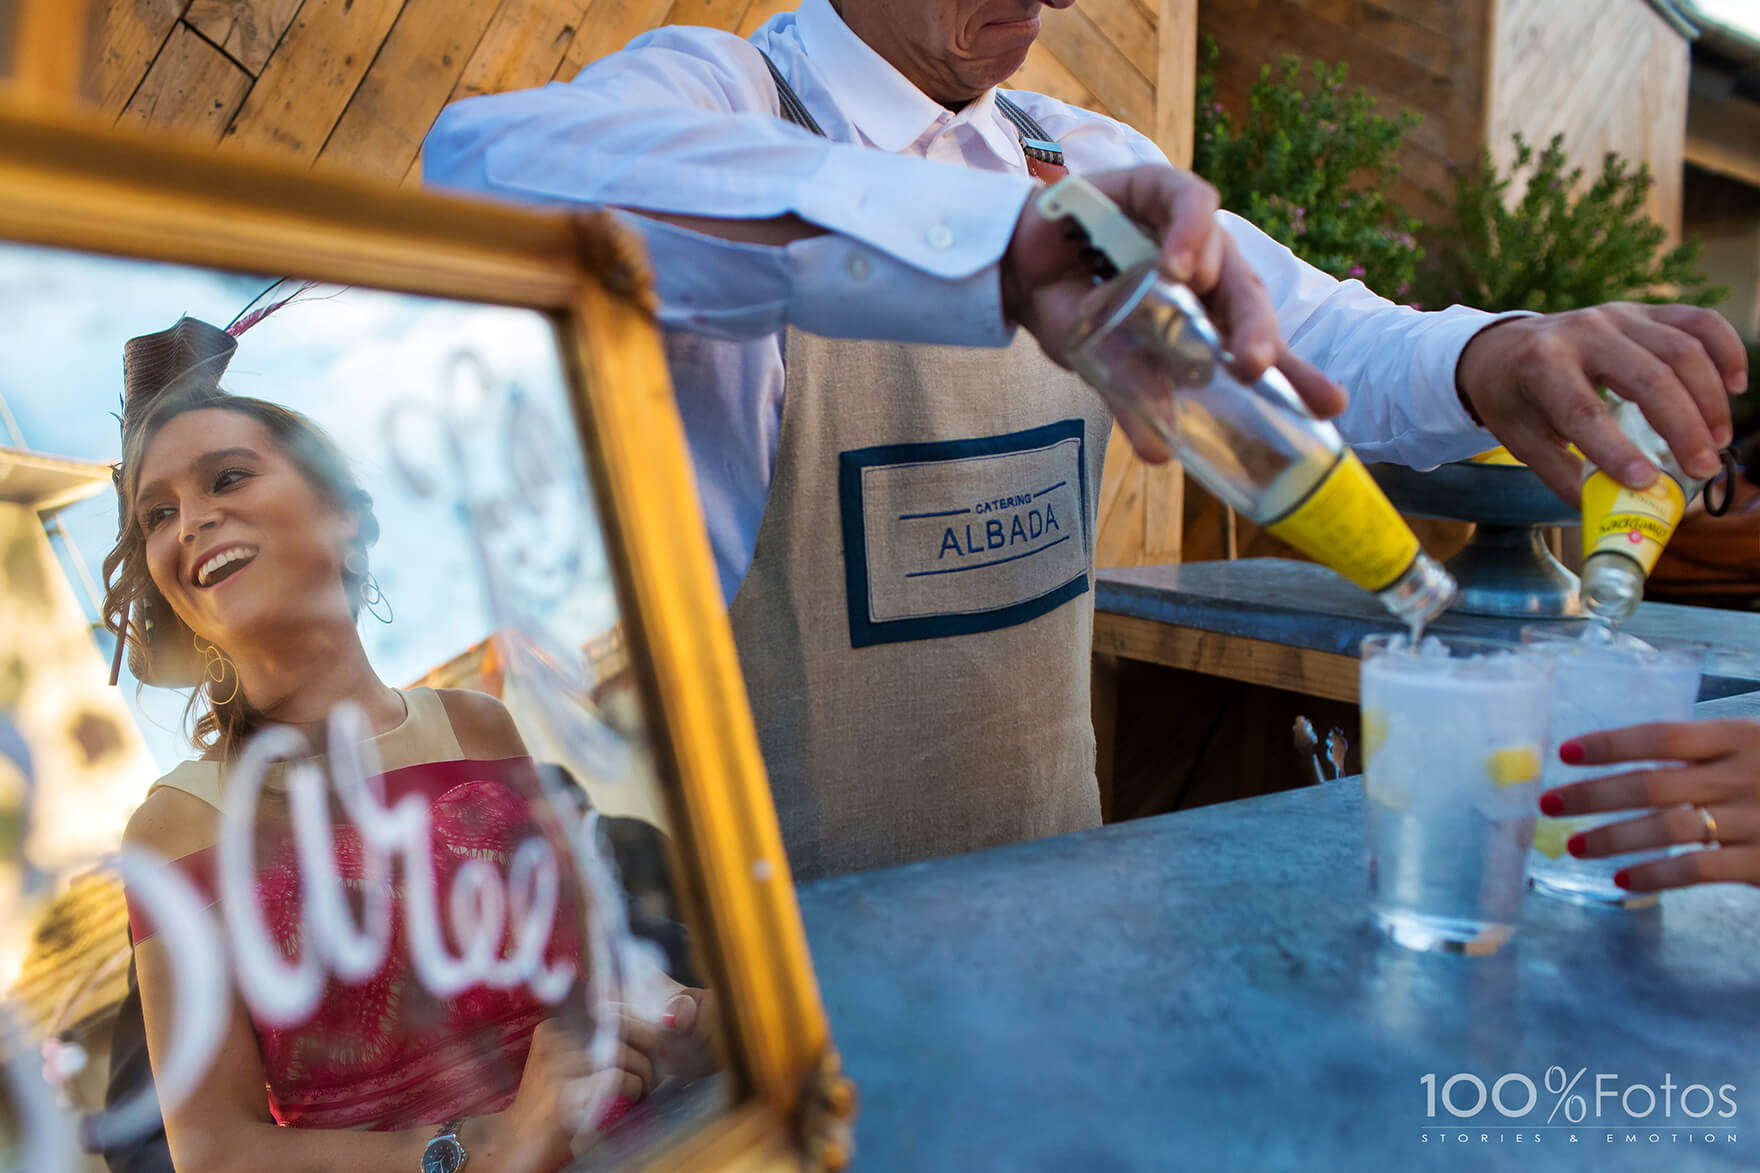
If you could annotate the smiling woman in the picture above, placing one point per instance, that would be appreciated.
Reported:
(206, 479)
(240, 570)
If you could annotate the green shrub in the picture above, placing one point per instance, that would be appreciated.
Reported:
(1553, 250)
(1311, 166)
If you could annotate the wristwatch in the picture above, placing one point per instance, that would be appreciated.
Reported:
(444, 1154)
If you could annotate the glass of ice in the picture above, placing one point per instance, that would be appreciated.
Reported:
(1452, 740)
(1600, 684)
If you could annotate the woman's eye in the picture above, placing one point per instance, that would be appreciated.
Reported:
(154, 518)
(230, 477)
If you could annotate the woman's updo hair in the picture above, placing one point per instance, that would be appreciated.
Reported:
(161, 648)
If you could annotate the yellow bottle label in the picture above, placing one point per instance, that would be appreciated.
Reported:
(1633, 522)
(1348, 524)
(1496, 456)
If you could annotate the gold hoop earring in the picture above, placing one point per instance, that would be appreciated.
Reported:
(377, 605)
(215, 665)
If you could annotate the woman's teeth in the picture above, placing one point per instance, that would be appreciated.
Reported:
(214, 568)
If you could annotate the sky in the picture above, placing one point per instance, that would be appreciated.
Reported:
(380, 373)
(1741, 16)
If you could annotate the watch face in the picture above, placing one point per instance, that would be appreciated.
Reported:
(443, 1155)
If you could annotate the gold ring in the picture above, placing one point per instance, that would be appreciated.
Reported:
(1710, 822)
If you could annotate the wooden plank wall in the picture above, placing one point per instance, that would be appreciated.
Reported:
(1426, 56)
(1610, 75)
(357, 83)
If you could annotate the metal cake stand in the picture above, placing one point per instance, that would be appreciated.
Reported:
(1505, 567)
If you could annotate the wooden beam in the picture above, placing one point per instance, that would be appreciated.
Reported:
(522, 47)
(1078, 42)
(193, 89)
(1176, 75)
(131, 36)
(1232, 657)
(1725, 137)
(609, 26)
(245, 30)
(410, 82)
(312, 75)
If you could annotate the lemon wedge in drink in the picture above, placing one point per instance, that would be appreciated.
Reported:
(1551, 836)
(1374, 733)
(1513, 765)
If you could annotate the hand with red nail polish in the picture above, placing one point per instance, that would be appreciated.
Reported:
(687, 1043)
(1715, 770)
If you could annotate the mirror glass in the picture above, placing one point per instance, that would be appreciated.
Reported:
(365, 839)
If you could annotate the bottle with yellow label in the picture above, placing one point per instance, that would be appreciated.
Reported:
(1624, 530)
(1147, 344)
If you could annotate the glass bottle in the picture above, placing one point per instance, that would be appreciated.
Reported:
(1625, 530)
(1146, 342)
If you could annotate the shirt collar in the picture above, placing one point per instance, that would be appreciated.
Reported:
(882, 104)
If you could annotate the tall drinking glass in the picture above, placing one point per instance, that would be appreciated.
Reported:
(1602, 686)
(1452, 739)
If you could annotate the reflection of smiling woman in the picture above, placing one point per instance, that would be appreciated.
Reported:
(241, 568)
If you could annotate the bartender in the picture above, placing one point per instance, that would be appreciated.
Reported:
(838, 212)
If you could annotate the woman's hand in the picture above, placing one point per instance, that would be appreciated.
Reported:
(545, 1126)
(1719, 773)
(686, 1042)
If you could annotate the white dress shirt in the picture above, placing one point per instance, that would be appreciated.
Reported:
(919, 203)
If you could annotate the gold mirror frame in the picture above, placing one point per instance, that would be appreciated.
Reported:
(66, 182)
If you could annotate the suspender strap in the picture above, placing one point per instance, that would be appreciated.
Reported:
(793, 109)
(1035, 143)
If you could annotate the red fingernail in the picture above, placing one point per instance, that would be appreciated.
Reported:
(669, 1020)
(615, 1110)
(1551, 804)
(1622, 878)
(1571, 753)
(1576, 845)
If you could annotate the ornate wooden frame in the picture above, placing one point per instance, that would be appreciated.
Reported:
(68, 182)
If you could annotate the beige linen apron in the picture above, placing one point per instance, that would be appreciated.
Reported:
(915, 627)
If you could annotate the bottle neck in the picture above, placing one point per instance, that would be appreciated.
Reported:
(1422, 593)
(1612, 586)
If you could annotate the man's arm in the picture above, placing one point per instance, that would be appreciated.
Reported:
(754, 223)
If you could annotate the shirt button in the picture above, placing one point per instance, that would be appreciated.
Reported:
(859, 266)
(940, 236)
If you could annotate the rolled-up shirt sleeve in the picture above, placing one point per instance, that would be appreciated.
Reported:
(1397, 363)
(678, 123)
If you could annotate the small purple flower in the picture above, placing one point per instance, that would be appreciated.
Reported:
(1300, 212)
(1357, 271)
(1416, 305)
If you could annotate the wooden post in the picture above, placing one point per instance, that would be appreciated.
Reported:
(1142, 505)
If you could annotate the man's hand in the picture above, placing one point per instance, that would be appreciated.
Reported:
(1532, 381)
(1045, 280)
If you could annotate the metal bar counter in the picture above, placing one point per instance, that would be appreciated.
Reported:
(1203, 990)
